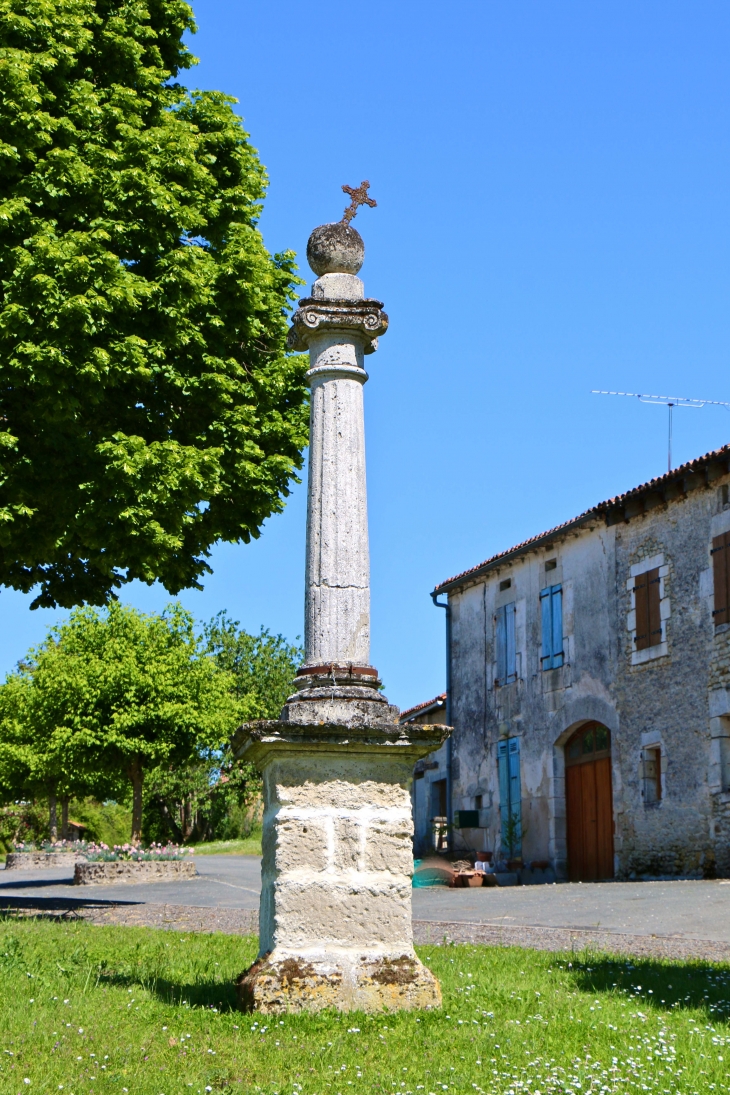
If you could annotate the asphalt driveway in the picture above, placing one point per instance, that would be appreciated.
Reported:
(680, 910)
(224, 881)
(695, 910)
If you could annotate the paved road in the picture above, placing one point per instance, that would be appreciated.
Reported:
(230, 881)
(692, 910)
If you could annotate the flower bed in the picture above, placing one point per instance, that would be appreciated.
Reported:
(59, 853)
(132, 863)
(67, 853)
(135, 853)
(29, 861)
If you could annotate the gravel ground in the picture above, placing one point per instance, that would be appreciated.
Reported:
(569, 939)
(184, 918)
(201, 918)
(672, 919)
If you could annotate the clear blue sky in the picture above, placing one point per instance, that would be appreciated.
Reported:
(553, 216)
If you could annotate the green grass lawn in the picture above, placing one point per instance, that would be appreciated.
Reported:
(250, 846)
(86, 1009)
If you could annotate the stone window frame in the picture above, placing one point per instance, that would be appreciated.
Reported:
(650, 742)
(502, 598)
(719, 770)
(720, 523)
(661, 649)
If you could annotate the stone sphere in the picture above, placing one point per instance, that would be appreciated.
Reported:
(335, 249)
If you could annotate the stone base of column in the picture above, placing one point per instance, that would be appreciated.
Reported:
(343, 695)
(346, 980)
(335, 915)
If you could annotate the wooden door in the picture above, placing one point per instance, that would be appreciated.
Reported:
(589, 804)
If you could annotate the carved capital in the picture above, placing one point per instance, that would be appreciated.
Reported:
(365, 318)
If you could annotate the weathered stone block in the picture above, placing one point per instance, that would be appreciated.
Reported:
(364, 911)
(106, 874)
(347, 786)
(388, 846)
(32, 861)
(295, 983)
(349, 835)
(300, 842)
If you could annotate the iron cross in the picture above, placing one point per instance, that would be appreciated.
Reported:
(358, 196)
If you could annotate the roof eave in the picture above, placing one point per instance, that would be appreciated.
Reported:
(522, 549)
(610, 510)
(416, 712)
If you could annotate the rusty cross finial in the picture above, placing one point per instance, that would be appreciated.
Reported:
(358, 196)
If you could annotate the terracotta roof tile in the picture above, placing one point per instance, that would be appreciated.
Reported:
(595, 512)
(422, 706)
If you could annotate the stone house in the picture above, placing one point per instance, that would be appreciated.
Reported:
(430, 777)
(589, 680)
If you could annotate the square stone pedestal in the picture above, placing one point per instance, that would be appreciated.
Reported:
(335, 914)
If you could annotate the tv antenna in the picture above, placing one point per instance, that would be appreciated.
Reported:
(670, 401)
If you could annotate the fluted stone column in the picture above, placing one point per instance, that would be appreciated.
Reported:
(337, 598)
(335, 914)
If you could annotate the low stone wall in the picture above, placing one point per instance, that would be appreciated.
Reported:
(124, 870)
(30, 861)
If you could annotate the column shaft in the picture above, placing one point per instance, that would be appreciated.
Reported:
(337, 597)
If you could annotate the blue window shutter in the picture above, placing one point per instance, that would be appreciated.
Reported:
(501, 645)
(556, 605)
(510, 612)
(504, 787)
(547, 629)
(515, 792)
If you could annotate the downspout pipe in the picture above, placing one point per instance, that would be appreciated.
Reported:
(449, 741)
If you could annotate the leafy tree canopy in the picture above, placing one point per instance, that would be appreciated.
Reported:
(147, 405)
(113, 693)
(18, 758)
(213, 795)
(262, 666)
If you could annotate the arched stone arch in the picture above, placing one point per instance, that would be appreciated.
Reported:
(570, 717)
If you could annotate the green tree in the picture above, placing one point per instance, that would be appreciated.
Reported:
(263, 666)
(209, 798)
(114, 693)
(147, 405)
(198, 800)
(15, 749)
(29, 769)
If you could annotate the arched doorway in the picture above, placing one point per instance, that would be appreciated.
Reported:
(589, 803)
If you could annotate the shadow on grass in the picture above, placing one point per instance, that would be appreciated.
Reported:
(662, 986)
(54, 908)
(217, 995)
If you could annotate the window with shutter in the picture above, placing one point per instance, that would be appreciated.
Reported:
(506, 644)
(721, 578)
(648, 619)
(551, 603)
(510, 796)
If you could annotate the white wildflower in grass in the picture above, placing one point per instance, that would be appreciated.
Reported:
(676, 1045)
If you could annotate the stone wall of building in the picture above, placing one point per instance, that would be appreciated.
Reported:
(674, 697)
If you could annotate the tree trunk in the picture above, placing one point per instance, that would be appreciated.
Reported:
(135, 774)
(64, 817)
(52, 814)
(187, 821)
(172, 829)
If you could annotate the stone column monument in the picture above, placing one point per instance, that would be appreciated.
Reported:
(335, 914)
